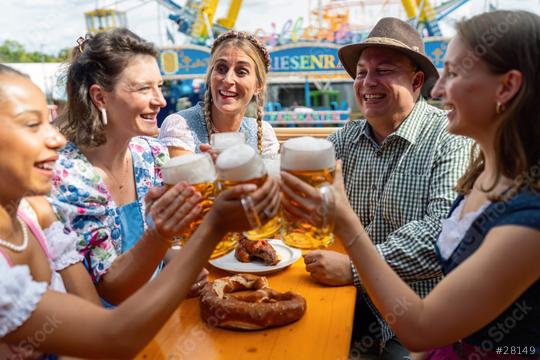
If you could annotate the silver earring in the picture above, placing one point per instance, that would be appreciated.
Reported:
(103, 116)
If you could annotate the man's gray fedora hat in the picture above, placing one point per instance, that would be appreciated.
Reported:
(396, 34)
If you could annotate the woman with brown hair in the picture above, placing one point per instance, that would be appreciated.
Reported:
(488, 305)
(112, 160)
(236, 76)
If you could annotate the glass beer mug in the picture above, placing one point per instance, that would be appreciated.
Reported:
(313, 161)
(197, 170)
(241, 164)
(223, 140)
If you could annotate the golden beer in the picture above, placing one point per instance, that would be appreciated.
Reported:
(267, 229)
(198, 171)
(313, 161)
(241, 165)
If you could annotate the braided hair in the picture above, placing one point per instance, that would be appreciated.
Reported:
(260, 56)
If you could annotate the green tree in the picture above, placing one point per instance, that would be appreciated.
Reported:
(14, 52)
(63, 54)
(11, 51)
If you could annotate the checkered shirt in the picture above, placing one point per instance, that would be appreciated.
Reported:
(402, 188)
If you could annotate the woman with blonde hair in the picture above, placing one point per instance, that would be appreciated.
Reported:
(236, 76)
(488, 304)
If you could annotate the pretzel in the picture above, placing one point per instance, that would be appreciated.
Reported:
(225, 303)
(247, 250)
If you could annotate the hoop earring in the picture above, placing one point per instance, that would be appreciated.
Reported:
(103, 116)
(499, 108)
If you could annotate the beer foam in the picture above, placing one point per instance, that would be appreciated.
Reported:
(222, 141)
(307, 153)
(193, 168)
(239, 163)
(272, 166)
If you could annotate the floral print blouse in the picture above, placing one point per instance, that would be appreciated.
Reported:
(83, 202)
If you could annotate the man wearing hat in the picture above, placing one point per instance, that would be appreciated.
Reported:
(400, 165)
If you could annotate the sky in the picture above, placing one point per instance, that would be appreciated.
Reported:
(51, 25)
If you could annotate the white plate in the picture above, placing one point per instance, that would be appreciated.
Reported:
(286, 254)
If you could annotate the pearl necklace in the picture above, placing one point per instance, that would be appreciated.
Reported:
(17, 248)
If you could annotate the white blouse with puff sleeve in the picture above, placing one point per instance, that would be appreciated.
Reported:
(19, 295)
(176, 132)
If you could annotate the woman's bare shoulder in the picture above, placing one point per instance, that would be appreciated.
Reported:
(43, 209)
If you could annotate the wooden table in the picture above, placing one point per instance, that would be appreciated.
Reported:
(324, 332)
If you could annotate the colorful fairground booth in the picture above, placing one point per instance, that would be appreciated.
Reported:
(307, 85)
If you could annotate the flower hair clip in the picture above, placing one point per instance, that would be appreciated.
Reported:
(81, 41)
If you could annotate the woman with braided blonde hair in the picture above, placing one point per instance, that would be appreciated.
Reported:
(236, 76)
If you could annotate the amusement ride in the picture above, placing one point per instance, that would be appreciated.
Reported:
(306, 84)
